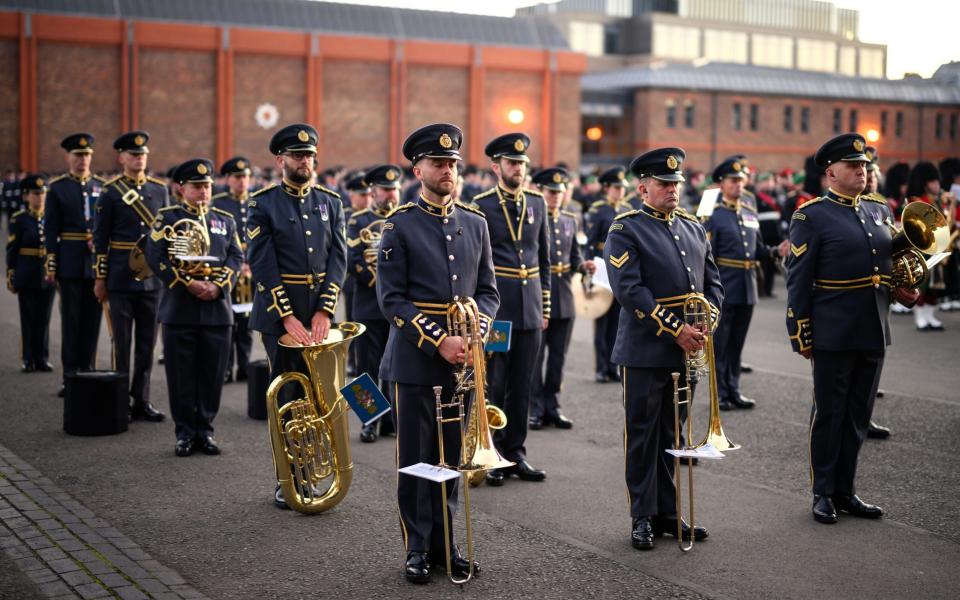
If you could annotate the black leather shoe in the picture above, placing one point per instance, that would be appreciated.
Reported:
(559, 421)
(241, 375)
(495, 477)
(745, 368)
(877, 432)
(602, 377)
(27, 367)
(668, 525)
(823, 510)
(417, 567)
(183, 448)
(613, 375)
(525, 471)
(459, 565)
(146, 411)
(743, 402)
(44, 366)
(278, 499)
(228, 378)
(368, 434)
(209, 446)
(858, 508)
(642, 534)
(62, 391)
(724, 405)
(880, 393)
(535, 423)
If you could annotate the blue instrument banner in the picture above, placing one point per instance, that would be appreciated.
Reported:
(498, 339)
(365, 398)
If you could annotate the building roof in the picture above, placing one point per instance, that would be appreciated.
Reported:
(324, 17)
(749, 79)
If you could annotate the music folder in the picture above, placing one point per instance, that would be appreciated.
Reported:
(365, 398)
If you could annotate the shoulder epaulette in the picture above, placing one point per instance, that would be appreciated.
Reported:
(112, 181)
(469, 208)
(327, 190)
(220, 195)
(100, 179)
(155, 180)
(18, 213)
(400, 208)
(362, 211)
(569, 213)
(597, 204)
(220, 211)
(489, 192)
(533, 192)
(169, 208)
(811, 202)
(874, 197)
(56, 179)
(629, 213)
(263, 189)
(684, 214)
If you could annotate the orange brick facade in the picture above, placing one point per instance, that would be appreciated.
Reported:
(196, 89)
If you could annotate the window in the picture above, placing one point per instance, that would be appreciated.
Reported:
(804, 119)
(688, 114)
(676, 41)
(725, 46)
(953, 126)
(898, 124)
(848, 61)
(854, 118)
(883, 122)
(816, 55)
(671, 113)
(788, 118)
(838, 120)
(754, 117)
(736, 117)
(871, 62)
(587, 38)
(772, 51)
(938, 126)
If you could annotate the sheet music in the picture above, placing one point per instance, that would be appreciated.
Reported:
(430, 472)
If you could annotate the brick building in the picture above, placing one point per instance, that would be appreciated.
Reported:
(210, 77)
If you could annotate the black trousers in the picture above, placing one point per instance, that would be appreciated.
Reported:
(728, 344)
(768, 271)
(553, 351)
(844, 388)
(508, 377)
(129, 310)
(649, 431)
(369, 348)
(36, 305)
(604, 336)
(80, 316)
(195, 359)
(419, 500)
(241, 342)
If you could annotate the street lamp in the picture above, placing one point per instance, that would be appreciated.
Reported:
(873, 135)
(594, 134)
(515, 116)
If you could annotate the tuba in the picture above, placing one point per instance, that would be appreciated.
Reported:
(698, 365)
(478, 453)
(924, 231)
(310, 436)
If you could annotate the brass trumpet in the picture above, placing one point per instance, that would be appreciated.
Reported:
(478, 453)
(310, 436)
(698, 365)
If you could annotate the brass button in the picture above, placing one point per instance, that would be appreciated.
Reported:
(874, 250)
(875, 269)
(450, 258)
(559, 253)
(689, 270)
(309, 232)
(310, 250)
(445, 220)
(693, 287)
(305, 217)
(524, 282)
(676, 237)
(869, 234)
(449, 238)
(453, 277)
(683, 253)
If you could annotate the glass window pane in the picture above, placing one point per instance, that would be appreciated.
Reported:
(725, 46)
(676, 41)
(871, 62)
(772, 51)
(848, 60)
(816, 55)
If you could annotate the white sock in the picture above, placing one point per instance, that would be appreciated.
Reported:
(920, 317)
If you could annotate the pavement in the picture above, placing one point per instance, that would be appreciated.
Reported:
(137, 522)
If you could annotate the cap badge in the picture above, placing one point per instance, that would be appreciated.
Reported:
(557, 178)
(391, 175)
(139, 140)
(202, 169)
(672, 163)
(82, 142)
(39, 182)
(869, 155)
(737, 167)
(518, 146)
(858, 145)
(620, 175)
(446, 142)
(303, 136)
(241, 164)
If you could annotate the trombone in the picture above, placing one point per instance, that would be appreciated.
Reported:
(697, 313)
(476, 440)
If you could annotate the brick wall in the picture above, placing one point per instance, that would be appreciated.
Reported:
(566, 121)
(356, 108)
(77, 91)
(438, 95)
(260, 79)
(505, 91)
(9, 105)
(178, 105)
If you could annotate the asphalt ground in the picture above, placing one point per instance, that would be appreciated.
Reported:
(211, 519)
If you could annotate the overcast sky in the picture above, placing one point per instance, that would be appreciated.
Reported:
(920, 34)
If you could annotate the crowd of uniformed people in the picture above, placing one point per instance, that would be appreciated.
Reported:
(287, 243)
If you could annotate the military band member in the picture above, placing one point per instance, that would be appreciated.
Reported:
(25, 276)
(656, 256)
(234, 201)
(923, 185)
(598, 219)
(565, 260)
(838, 284)
(520, 241)
(432, 252)
(70, 208)
(362, 265)
(125, 211)
(734, 233)
(195, 308)
(297, 251)
(359, 194)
